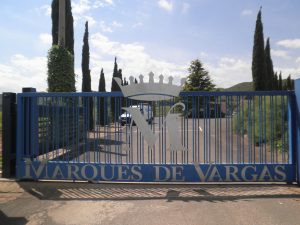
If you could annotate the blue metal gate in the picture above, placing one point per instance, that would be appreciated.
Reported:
(225, 136)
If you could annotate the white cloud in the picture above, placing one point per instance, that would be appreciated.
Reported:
(80, 7)
(45, 9)
(289, 43)
(230, 71)
(105, 28)
(91, 20)
(22, 71)
(45, 38)
(110, 2)
(138, 24)
(103, 3)
(116, 24)
(297, 60)
(166, 5)
(294, 71)
(185, 7)
(132, 58)
(247, 12)
(280, 53)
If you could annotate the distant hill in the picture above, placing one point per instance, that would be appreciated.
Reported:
(244, 86)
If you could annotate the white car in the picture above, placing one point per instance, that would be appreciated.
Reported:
(145, 109)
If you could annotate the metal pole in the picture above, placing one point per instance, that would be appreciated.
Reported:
(296, 134)
(9, 135)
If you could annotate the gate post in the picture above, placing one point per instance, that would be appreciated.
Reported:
(31, 125)
(296, 134)
(9, 135)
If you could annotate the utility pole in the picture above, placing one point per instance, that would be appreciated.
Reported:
(62, 23)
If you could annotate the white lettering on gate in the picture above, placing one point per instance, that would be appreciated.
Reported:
(136, 171)
(57, 173)
(200, 173)
(83, 172)
(141, 123)
(153, 92)
(265, 173)
(233, 173)
(244, 171)
(280, 170)
(73, 172)
(38, 171)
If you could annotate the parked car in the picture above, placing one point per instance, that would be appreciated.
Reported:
(145, 109)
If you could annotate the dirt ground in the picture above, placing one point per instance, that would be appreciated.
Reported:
(176, 204)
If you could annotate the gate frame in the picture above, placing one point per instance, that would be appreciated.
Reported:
(294, 127)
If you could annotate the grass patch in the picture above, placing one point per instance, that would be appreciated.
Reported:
(264, 120)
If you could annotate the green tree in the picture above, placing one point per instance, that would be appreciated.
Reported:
(198, 78)
(69, 25)
(115, 102)
(289, 83)
(280, 86)
(101, 87)
(259, 69)
(102, 106)
(269, 65)
(61, 77)
(275, 81)
(114, 85)
(86, 77)
(85, 61)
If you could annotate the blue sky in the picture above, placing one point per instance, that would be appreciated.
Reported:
(162, 36)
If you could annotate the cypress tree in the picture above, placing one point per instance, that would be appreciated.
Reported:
(269, 65)
(275, 81)
(280, 87)
(259, 70)
(125, 81)
(135, 81)
(289, 83)
(102, 107)
(120, 74)
(86, 76)
(115, 111)
(85, 61)
(114, 85)
(69, 25)
(61, 77)
(101, 87)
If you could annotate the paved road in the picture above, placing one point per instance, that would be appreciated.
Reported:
(122, 204)
(207, 141)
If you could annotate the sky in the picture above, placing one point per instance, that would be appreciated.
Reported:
(162, 36)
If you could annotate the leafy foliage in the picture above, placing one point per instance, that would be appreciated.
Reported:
(198, 79)
(264, 120)
(259, 68)
(115, 87)
(102, 109)
(269, 82)
(61, 77)
(101, 87)
(85, 63)
(86, 76)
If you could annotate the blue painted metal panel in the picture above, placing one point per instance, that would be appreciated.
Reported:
(247, 132)
(158, 172)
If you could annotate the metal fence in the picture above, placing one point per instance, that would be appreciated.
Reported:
(214, 128)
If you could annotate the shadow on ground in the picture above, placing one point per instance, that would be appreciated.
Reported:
(4, 219)
(169, 192)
